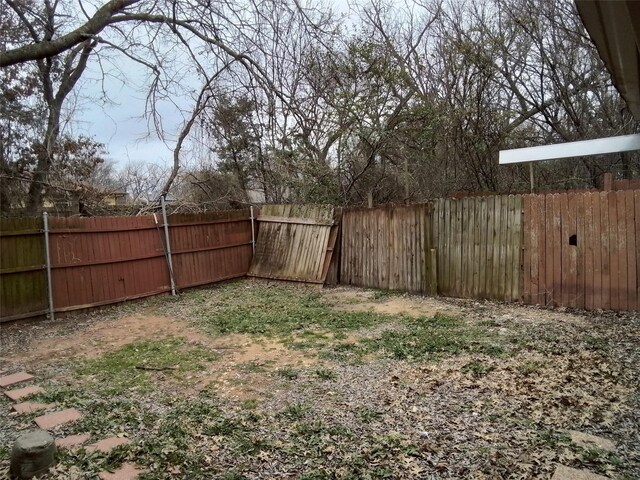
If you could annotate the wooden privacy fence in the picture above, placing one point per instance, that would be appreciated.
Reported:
(576, 250)
(387, 247)
(478, 241)
(583, 250)
(97, 261)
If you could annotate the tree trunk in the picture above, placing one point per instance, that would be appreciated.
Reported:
(35, 198)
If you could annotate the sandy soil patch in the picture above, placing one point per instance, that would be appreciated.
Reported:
(364, 300)
(359, 300)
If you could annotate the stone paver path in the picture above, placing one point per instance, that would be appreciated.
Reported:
(125, 472)
(24, 392)
(107, 444)
(29, 407)
(49, 421)
(52, 420)
(14, 378)
(586, 440)
(567, 473)
(72, 441)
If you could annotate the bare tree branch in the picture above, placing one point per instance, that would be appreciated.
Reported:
(49, 48)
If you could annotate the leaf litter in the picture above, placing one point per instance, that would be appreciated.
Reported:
(460, 413)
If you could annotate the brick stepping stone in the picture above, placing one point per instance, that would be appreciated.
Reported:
(14, 378)
(126, 472)
(71, 441)
(107, 444)
(567, 473)
(19, 393)
(29, 407)
(47, 422)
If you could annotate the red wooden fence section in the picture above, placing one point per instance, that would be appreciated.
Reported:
(210, 247)
(96, 261)
(582, 250)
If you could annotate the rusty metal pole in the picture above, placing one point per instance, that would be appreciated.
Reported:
(47, 257)
(253, 231)
(167, 245)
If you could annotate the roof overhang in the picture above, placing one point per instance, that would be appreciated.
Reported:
(614, 27)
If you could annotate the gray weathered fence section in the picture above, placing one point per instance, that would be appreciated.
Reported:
(478, 242)
(387, 247)
(295, 242)
(472, 246)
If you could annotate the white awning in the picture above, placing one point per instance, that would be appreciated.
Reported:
(624, 143)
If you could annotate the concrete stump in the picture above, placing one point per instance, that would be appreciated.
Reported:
(32, 454)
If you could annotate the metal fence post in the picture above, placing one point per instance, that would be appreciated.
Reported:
(253, 231)
(166, 238)
(47, 257)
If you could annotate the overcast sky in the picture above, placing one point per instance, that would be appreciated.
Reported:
(119, 124)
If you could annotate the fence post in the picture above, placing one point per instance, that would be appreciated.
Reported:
(47, 257)
(253, 231)
(166, 241)
(531, 180)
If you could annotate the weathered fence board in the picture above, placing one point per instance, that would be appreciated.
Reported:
(479, 243)
(23, 280)
(294, 242)
(387, 247)
(590, 250)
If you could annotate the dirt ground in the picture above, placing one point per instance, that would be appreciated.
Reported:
(62, 342)
(339, 383)
(100, 337)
